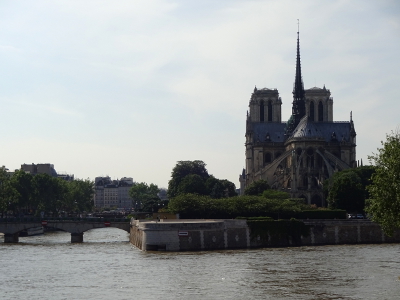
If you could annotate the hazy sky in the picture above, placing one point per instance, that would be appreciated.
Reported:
(128, 88)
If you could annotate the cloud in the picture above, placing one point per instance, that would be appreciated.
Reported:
(152, 82)
(8, 48)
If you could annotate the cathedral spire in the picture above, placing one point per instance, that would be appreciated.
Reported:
(298, 89)
(299, 105)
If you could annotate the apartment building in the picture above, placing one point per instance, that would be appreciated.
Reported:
(113, 193)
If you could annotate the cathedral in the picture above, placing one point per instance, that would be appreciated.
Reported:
(296, 156)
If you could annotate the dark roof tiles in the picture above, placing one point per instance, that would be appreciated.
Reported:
(275, 131)
(328, 131)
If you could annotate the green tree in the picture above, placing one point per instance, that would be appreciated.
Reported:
(365, 174)
(49, 193)
(145, 197)
(78, 195)
(181, 170)
(23, 183)
(192, 184)
(256, 188)
(346, 192)
(190, 206)
(229, 188)
(8, 194)
(384, 204)
(220, 188)
(191, 177)
(211, 182)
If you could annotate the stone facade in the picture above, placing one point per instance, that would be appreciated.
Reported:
(296, 156)
(48, 169)
(189, 235)
(39, 169)
(196, 235)
(113, 193)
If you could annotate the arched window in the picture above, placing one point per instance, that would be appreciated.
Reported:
(262, 111)
(310, 157)
(314, 182)
(299, 151)
(319, 161)
(312, 111)
(289, 184)
(305, 181)
(268, 158)
(269, 111)
(320, 112)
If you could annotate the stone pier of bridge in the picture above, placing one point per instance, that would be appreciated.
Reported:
(77, 237)
(11, 237)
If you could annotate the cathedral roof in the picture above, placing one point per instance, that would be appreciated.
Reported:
(329, 131)
(326, 131)
(275, 131)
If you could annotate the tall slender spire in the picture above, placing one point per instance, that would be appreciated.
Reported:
(299, 105)
(298, 89)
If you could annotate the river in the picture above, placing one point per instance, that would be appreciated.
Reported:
(107, 266)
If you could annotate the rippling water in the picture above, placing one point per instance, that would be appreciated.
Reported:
(107, 266)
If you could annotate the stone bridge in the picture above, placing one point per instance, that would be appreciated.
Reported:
(11, 227)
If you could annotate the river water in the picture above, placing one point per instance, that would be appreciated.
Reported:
(107, 266)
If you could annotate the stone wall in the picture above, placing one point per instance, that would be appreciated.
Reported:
(194, 235)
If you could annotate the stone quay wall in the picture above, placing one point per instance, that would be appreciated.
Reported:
(202, 235)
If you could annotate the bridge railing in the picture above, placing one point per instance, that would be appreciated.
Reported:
(20, 219)
(75, 219)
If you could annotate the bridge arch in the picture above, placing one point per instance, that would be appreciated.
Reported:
(11, 229)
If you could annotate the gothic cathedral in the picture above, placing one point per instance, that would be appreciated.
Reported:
(296, 156)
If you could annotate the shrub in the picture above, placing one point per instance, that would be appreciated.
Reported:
(322, 214)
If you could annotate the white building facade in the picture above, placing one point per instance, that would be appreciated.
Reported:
(113, 193)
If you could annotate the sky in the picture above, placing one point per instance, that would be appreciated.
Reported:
(128, 88)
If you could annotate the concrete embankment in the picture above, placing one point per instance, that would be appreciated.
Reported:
(195, 235)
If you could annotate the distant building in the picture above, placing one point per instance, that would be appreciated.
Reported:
(66, 177)
(45, 169)
(112, 193)
(39, 169)
(124, 185)
(10, 173)
(163, 194)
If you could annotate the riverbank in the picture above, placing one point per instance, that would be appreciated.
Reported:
(196, 235)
